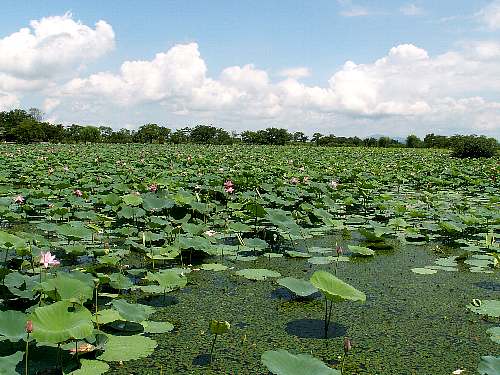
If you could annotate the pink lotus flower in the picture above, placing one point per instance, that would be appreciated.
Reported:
(19, 199)
(29, 326)
(229, 186)
(77, 193)
(153, 188)
(294, 180)
(210, 233)
(47, 259)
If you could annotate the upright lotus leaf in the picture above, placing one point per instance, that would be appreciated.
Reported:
(74, 232)
(257, 273)
(282, 220)
(486, 307)
(361, 250)
(489, 365)
(335, 289)
(21, 285)
(9, 363)
(126, 348)
(12, 325)
(91, 367)
(132, 312)
(281, 362)
(154, 203)
(132, 199)
(61, 321)
(69, 288)
(300, 287)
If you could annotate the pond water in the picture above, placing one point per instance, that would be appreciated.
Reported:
(410, 323)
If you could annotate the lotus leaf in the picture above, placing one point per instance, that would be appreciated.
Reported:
(157, 327)
(257, 273)
(297, 254)
(213, 267)
(126, 348)
(300, 287)
(423, 271)
(168, 279)
(132, 312)
(495, 334)
(132, 199)
(61, 321)
(12, 325)
(335, 289)
(321, 260)
(8, 364)
(487, 307)
(69, 288)
(489, 365)
(361, 250)
(106, 316)
(91, 367)
(281, 362)
(120, 281)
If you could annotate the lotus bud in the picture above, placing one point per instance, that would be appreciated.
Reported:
(347, 344)
(339, 250)
(29, 326)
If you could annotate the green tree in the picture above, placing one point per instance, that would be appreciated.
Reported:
(412, 141)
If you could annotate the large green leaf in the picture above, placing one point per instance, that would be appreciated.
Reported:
(495, 334)
(7, 238)
(69, 287)
(13, 325)
(487, 307)
(257, 273)
(132, 199)
(132, 312)
(61, 321)
(126, 348)
(168, 279)
(281, 362)
(8, 364)
(91, 367)
(335, 289)
(489, 365)
(300, 287)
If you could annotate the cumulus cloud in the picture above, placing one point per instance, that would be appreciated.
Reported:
(50, 48)
(297, 73)
(489, 15)
(8, 101)
(405, 83)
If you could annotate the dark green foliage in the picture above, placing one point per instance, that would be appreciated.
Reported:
(472, 146)
(412, 141)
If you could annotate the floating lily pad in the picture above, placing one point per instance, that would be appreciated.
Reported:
(320, 260)
(300, 287)
(297, 254)
(423, 271)
(281, 362)
(91, 367)
(213, 267)
(487, 307)
(257, 273)
(126, 348)
(494, 334)
(132, 312)
(157, 327)
(489, 365)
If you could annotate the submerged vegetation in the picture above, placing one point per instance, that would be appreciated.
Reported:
(228, 259)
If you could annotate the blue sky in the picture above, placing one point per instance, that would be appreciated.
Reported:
(253, 64)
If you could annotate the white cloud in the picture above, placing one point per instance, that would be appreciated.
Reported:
(297, 73)
(8, 101)
(489, 16)
(406, 84)
(51, 48)
(411, 10)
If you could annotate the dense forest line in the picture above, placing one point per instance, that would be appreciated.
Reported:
(28, 126)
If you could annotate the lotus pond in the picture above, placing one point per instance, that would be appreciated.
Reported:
(133, 259)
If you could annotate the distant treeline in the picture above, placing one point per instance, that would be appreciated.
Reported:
(23, 126)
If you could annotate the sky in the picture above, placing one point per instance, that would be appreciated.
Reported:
(343, 67)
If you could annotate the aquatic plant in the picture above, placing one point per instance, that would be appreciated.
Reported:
(334, 290)
(216, 328)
